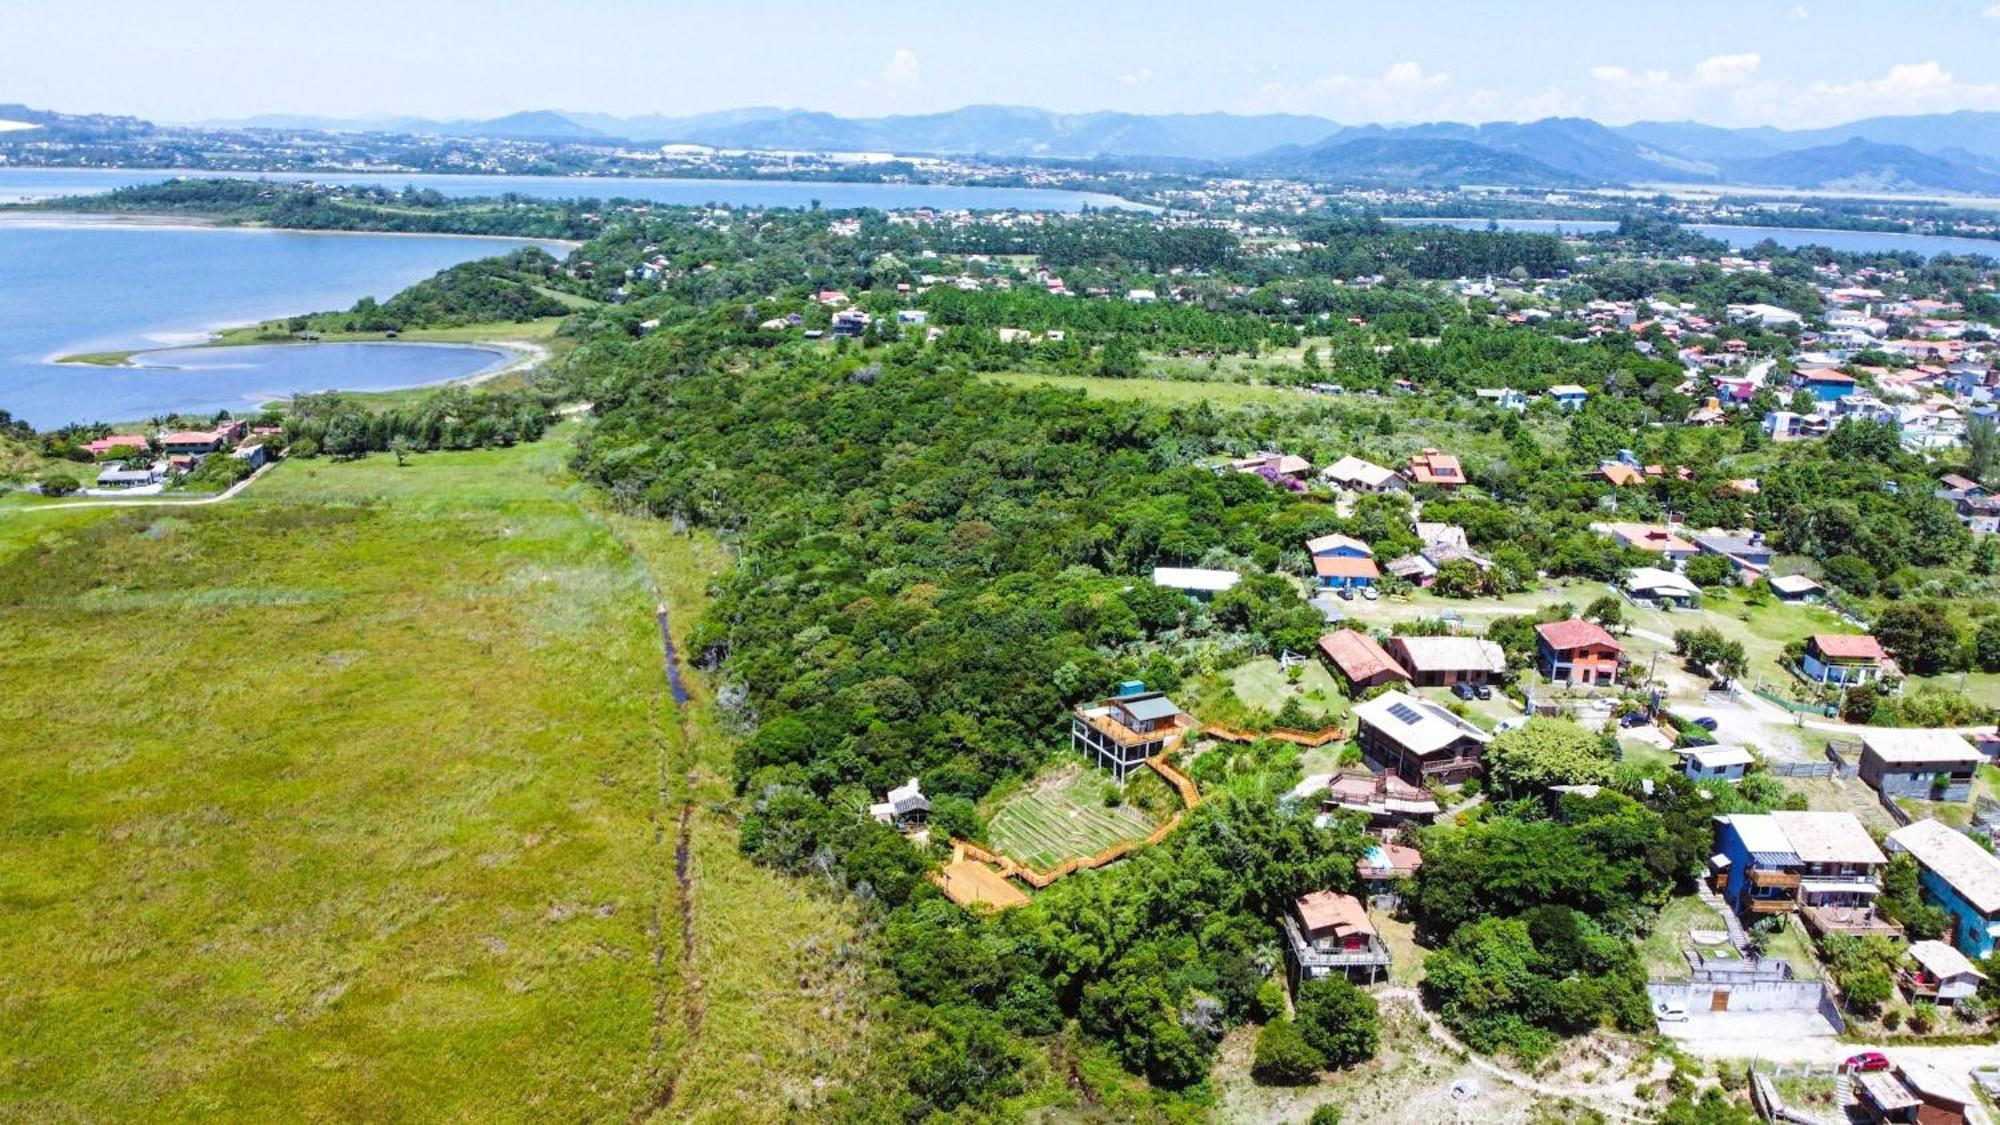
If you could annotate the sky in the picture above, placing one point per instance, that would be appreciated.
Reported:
(1790, 63)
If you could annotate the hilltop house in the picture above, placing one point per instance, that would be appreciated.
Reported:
(1841, 658)
(1569, 396)
(117, 476)
(1418, 739)
(1658, 540)
(1662, 588)
(104, 445)
(905, 808)
(1960, 877)
(1360, 661)
(1121, 732)
(1931, 764)
(1343, 561)
(1443, 661)
(1822, 865)
(1439, 469)
(1327, 933)
(1577, 652)
(191, 442)
(1355, 474)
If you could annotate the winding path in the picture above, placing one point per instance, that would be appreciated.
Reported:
(1621, 1107)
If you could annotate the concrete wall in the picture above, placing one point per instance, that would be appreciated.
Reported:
(1761, 996)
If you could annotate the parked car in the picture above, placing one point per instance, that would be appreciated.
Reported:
(1868, 1060)
(1346, 593)
(1483, 691)
(1707, 723)
(1463, 690)
(1370, 592)
(1634, 719)
(1670, 1011)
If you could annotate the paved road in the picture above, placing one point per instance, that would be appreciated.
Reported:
(149, 501)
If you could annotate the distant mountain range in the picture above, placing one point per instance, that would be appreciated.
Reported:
(1946, 153)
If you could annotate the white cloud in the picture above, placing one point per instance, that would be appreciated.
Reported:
(903, 69)
(1726, 70)
(1992, 13)
(1137, 77)
(1798, 14)
(1403, 91)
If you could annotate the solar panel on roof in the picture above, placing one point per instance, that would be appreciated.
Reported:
(1406, 713)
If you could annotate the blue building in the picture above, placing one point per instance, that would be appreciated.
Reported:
(1343, 561)
(1821, 865)
(1958, 876)
(1828, 386)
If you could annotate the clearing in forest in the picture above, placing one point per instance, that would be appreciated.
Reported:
(1063, 813)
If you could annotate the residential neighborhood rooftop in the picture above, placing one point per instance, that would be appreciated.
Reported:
(1358, 656)
(1921, 747)
(1971, 870)
(1574, 633)
(1828, 837)
(1437, 654)
(1419, 725)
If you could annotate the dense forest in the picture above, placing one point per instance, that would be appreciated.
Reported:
(311, 206)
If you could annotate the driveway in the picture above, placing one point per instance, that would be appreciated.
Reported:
(1731, 1035)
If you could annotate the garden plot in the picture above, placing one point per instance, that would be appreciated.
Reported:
(1062, 814)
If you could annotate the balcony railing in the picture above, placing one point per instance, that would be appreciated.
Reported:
(1769, 879)
(1772, 905)
(1312, 957)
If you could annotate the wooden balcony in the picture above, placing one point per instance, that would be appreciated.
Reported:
(1118, 732)
(1769, 879)
(1858, 921)
(1917, 986)
(1772, 905)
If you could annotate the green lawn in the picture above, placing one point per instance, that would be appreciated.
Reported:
(1792, 944)
(1662, 948)
(1063, 814)
(349, 799)
(1262, 684)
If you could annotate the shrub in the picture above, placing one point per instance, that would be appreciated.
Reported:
(1283, 1056)
(1339, 1020)
(57, 484)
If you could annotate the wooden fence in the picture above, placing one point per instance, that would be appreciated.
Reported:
(1015, 869)
(1306, 738)
(1801, 769)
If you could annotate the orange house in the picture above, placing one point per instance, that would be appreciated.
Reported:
(1576, 652)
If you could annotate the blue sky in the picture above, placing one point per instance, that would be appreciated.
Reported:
(1748, 62)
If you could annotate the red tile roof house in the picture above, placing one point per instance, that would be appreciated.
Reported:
(104, 445)
(1841, 658)
(1434, 468)
(1329, 933)
(1360, 661)
(191, 442)
(1577, 652)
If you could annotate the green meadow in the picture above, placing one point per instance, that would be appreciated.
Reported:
(358, 797)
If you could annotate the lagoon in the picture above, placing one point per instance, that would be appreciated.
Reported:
(25, 184)
(67, 289)
(1744, 237)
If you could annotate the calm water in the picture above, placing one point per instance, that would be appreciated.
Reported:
(18, 184)
(65, 290)
(1742, 238)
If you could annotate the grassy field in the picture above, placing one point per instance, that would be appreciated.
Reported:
(1062, 814)
(1262, 684)
(1162, 392)
(355, 797)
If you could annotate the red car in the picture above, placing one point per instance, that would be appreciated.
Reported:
(1868, 1060)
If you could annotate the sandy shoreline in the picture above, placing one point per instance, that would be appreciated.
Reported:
(85, 220)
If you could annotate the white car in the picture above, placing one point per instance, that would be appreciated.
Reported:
(1370, 592)
(1670, 1011)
